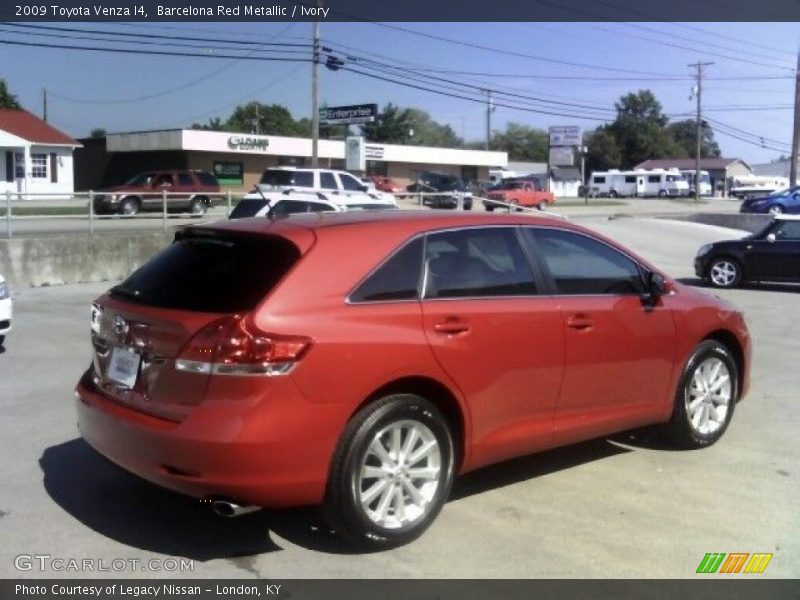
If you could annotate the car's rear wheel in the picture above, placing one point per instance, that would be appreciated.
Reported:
(706, 396)
(662, 193)
(129, 206)
(391, 473)
(776, 209)
(724, 272)
(198, 206)
(612, 194)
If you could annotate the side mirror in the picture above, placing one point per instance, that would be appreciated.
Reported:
(771, 238)
(655, 286)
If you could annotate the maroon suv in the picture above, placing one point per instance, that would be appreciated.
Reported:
(186, 191)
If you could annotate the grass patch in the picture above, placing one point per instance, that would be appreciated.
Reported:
(46, 211)
(688, 201)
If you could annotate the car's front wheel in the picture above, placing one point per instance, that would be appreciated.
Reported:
(724, 272)
(391, 473)
(706, 396)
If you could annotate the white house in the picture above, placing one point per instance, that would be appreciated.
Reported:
(35, 158)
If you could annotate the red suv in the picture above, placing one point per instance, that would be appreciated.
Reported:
(187, 191)
(361, 360)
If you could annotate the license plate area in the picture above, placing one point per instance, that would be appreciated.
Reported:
(123, 367)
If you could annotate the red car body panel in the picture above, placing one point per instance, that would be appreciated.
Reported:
(524, 374)
(525, 196)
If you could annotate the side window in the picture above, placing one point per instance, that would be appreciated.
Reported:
(319, 207)
(788, 230)
(349, 183)
(185, 179)
(288, 207)
(303, 179)
(630, 178)
(581, 265)
(395, 279)
(599, 179)
(655, 179)
(327, 181)
(476, 262)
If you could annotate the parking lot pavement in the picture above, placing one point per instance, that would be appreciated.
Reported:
(624, 506)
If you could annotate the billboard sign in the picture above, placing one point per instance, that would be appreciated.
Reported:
(561, 157)
(348, 115)
(565, 135)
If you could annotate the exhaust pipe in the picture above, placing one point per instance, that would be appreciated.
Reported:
(226, 508)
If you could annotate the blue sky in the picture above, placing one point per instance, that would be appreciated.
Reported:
(126, 92)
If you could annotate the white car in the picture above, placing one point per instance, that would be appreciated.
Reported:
(5, 310)
(277, 204)
(327, 181)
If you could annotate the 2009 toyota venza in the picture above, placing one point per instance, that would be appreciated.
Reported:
(361, 360)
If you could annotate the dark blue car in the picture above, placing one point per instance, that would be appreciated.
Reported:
(785, 201)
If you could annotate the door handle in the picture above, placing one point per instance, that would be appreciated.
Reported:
(579, 322)
(452, 326)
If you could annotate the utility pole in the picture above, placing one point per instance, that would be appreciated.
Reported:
(44, 104)
(796, 136)
(699, 95)
(315, 93)
(489, 109)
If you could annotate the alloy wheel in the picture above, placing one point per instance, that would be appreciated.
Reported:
(708, 396)
(724, 273)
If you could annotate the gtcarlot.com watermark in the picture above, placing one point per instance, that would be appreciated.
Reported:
(46, 562)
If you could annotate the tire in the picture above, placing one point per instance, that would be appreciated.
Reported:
(612, 194)
(724, 272)
(379, 511)
(662, 193)
(198, 206)
(129, 206)
(702, 414)
(775, 209)
(541, 206)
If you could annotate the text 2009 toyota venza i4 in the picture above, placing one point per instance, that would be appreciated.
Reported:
(360, 361)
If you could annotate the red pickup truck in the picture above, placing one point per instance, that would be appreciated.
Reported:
(519, 193)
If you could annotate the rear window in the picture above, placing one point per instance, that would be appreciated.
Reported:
(285, 178)
(204, 272)
(247, 208)
(207, 178)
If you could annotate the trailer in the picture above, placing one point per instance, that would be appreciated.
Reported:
(638, 182)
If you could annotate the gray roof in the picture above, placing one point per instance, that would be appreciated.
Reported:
(527, 167)
(778, 168)
(706, 164)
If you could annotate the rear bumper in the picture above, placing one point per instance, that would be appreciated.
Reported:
(273, 454)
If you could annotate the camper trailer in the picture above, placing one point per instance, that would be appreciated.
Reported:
(641, 182)
(705, 182)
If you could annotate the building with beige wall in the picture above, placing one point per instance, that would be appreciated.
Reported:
(238, 159)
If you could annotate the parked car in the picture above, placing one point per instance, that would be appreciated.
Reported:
(187, 191)
(276, 204)
(327, 181)
(785, 201)
(772, 254)
(361, 360)
(6, 310)
(522, 193)
(385, 184)
(437, 182)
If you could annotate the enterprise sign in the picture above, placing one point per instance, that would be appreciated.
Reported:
(348, 115)
(248, 142)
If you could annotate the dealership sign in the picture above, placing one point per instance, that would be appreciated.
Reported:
(248, 142)
(569, 135)
(348, 115)
(374, 152)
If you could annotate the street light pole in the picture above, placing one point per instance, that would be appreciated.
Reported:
(315, 93)
(699, 66)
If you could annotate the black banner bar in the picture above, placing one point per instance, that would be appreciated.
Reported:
(400, 11)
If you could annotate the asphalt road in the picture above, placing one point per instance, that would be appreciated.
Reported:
(625, 506)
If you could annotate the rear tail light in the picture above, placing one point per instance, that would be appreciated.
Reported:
(234, 346)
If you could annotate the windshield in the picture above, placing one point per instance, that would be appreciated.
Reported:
(788, 191)
(141, 179)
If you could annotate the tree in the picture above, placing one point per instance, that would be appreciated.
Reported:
(392, 126)
(521, 142)
(639, 129)
(214, 124)
(684, 134)
(602, 150)
(97, 132)
(272, 119)
(7, 99)
(428, 132)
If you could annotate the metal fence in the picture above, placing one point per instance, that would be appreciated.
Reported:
(76, 212)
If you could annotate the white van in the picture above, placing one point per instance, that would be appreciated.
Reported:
(640, 182)
(613, 183)
(705, 182)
